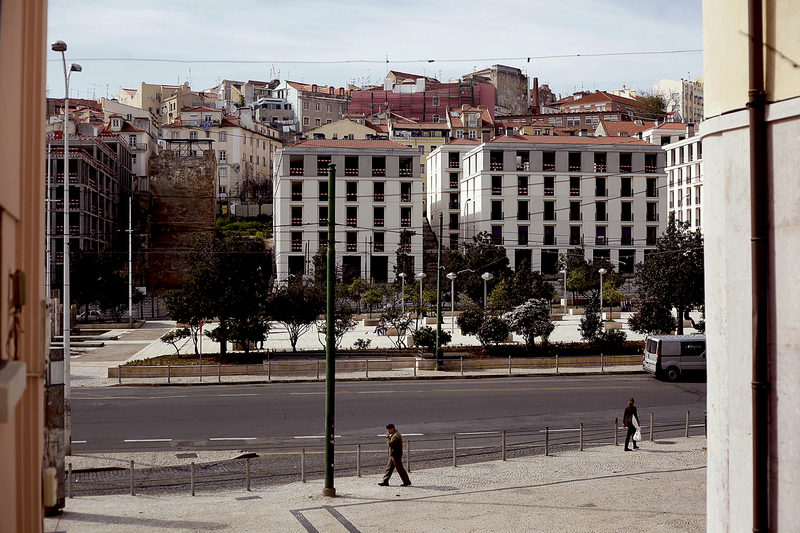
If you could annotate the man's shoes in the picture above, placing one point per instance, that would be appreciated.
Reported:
(635, 447)
(406, 484)
(626, 449)
(384, 483)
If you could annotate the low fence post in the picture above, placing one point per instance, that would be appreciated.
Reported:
(133, 492)
(616, 432)
(192, 478)
(269, 369)
(556, 363)
(454, 451)
(509, 365)
(219, 372)
(687, 424)
(303, 465)
(462, 365)
(358, 460)
(547, 440)
(201, 368)
(705, 423)
(247, 472)
(69, 480)
(318, 369)
(504, 445)
(169, 372)
(366, 368)
(415, 366)
(602, 369)
(651, 427)
(580, 438)
(408, 455)
(119, 373)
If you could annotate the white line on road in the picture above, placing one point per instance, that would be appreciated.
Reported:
(79, 442)
(238, 394)
(316, 437)
(232, 438)
(558, 430)
(406, 435)
(147, 440)
(306, 393)
(479, 433)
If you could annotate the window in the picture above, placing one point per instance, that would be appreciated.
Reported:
(222, 173)
(453, 180)
(522, 211)
(436, 101)
(193, 135)
(497, 210)
(627, 233)
(132, 141)
(575, 236)
(329, 108)
(305, 105)
(352, 191)
(323, 191)
(497, 234)
(454, 241)
(497, 185)
(549, 185)
(377, 191)
(549, 236)
(297, 191)
(405, 217)
(133, 159)
(297, 216)
(600, 236)
(222, 189)
(352, 241)
(317, 122)
(306, 121)
(575, 211)
(323, 215)
(352, 216)
(473, 134)
(549, 211)
(340, 109)
(522, 235)
(223, 156)
(453, 221)
(378, 216)
(522, 185)
(600, 212)
(436, 119)
(626, 214)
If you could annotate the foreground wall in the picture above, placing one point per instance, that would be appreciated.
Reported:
(726, 155)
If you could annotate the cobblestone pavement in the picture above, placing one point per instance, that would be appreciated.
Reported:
(658, 488)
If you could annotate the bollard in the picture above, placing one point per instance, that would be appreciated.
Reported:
(133, 493)
(547, 440)
(408, 455)
(601, 363)
(504, 445)
(462, 365)
(247, 472)
(556, 363)
(317, 369)
(509, 365)
(705, 423)
(358, 460)
(454, 451)
(651, 427)
(366, 366)
(192, 479)
(201, 368)
(415, 367)
(219, 372)
(119, 373)
(269, 369)
(687, 424)
(580, 438)
(616, 432)
(69, 480)
(168, 372)
(303, 465)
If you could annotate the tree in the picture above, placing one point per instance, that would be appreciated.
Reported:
(97, 277)
(471, 319)
(249, 330)
(652, 105)
(493, 330)
(398, 322)
(523, 286)
(477, 257)
(583, 277)
(653, 318)
(531, 320)
(673, 272)
(591, 324)
(611, 295)
(296, 306)
(187, 305)
(343, 322)
(426, 338)
(371, 297)
(174, 337)
(404, 262)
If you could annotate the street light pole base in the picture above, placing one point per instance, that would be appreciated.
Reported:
(329, 492)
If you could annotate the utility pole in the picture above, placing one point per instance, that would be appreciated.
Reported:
(439, 354)
(330, 338)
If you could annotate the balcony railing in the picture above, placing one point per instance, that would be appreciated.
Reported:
(323, 197)
(496, 166)
(378, 247)
(379, 222)
(574, 191)
(574, 168)
(600, 192)
(650, 241)
(522, 191)
(697, 222)
(626, 240)
(297, 197)
(351, 171)
(626, 217)
(548, 167)
(696, 199)
(599, 167)
(549, 216)
(297, 246)
(352, 197)
(378, 197)
(602, 241)
(526, 166)
(601, 217)
(575, 217)
(652, 217)
(405, 196)
(378, 171)
(322, 171)
(453, 225)
(405, 248)
(452, 205)
(297, 221)
(523, 216)
(323, 221)
(497, 190)
(454, 184)
(405, 222)
(352, 247)
(406, 172)
(497, 215)
(688, 180)
(452, 164)
(625, 168)
(626, 193)
(352, 222)
(549, 191)
(652, 193)
(550, 241)
(650, 169)
(575, 241)
(296, 171)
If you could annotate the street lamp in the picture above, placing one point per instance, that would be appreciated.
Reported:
(601, 271)
(564, 272)
(421, 276)
(486, 276)
(402, 276)
(61, 46)
(452, 277)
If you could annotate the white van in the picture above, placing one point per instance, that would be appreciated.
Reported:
(671, 355)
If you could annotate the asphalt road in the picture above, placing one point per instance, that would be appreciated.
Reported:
(282, 417)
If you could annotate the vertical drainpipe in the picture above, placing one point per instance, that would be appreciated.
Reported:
(759, 220)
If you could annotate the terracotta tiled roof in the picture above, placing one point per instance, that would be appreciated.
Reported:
(230, 121)
(380, 128)
(601, 96)
(547, 139)
(199, 108)
(471, 142)
(347, 143)
(457, 122)
(308, 86)
(613, 128)
(671, 126)
(126, 128)
(419, 126)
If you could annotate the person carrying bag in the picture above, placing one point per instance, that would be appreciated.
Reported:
(630, 420)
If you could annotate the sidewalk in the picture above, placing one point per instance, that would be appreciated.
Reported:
(660, 487)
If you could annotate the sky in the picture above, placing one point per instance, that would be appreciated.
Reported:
(601, 43)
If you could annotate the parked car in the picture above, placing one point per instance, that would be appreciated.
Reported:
(92, 315)
(670, 356)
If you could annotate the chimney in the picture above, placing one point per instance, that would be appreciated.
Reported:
(690, 130)
(509, 131)
(485, 136)
(535, 107)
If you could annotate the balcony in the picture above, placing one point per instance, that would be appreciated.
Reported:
(652, 193)
(137, 147)
(599, 167)
(454, 184)
(297, 197)
(550, 241)
(406, 172)
(575, 217)
(548, 167)
(297, 246)
(626, 240)
(405, 222)
(352, 197)
(452, 164)
(322, 171)
(626, 217)
(600, 192)
(697, 222)
(497, 191)
(378, 247)
(351, 171)
(453, 205)
(378, 171)
(522, 191)
(497, 215)
(601, 217)
(650, 169)
(352, 247)
(323, 221)
(650, 241)
(296, 171)
(574, 168)
(626, 193)
(378, 197)
(378, 222)
(601, 241)
(575, 240)
(495, 166)
(297, 221)
(353, 222)
(549, 191)
(525, 166)
(625, 169)
(323, 197)
(405, 196)
(404, 248)
(574, 191)
(652, 217)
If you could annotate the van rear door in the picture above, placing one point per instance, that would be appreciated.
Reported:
(693, 355)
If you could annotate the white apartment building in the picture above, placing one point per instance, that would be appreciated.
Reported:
(684, 99)
(540, 196)
(685, 179)
(379, 194)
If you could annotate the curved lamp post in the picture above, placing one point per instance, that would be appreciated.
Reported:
(601, 271)
(452, 277)
(486, 276)
(421, 276)
(402, 276)
(566, 300)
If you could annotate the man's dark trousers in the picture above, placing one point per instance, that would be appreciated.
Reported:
(396, 462)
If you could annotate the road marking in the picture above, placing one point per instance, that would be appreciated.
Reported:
(232, 438)
(147, 440)
(406, 435)
(480, 433)
(306, 393)
(316, 437)
(375, 392)
(558, 430)
(238, 394)
(78, 442)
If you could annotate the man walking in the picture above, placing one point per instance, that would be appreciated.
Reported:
(630, 420)
(395, 442)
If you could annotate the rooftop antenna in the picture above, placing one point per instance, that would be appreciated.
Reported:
(190, 77)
